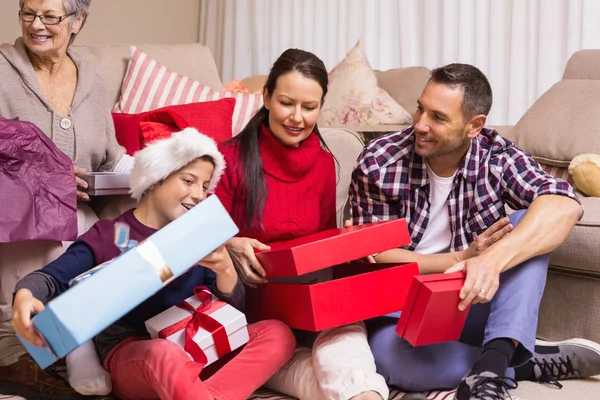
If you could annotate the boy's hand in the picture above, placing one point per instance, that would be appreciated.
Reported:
(25, 304)
(218, 261)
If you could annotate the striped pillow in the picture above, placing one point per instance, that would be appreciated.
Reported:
(149, 85)
(558, 172)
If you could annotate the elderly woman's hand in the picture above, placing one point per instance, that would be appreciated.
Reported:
(81, 184)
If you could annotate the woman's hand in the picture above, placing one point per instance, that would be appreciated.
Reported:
(81, 184)
(25, 304)
(491, 235)
(249, 269)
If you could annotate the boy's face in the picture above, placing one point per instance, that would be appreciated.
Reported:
(181, 191)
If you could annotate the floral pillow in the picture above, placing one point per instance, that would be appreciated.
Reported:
(354, 97)
(149, 85)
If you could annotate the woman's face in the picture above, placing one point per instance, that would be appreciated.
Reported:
(48, 40)
(294, 107)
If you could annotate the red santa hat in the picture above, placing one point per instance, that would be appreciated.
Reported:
(161, 158)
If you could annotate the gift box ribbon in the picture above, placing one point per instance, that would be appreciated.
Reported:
(199, 319)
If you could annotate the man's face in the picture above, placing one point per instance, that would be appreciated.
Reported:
(439, 126)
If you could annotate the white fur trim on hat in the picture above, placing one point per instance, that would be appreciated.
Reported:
(161, 158)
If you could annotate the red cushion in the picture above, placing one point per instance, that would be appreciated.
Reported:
(212, 118)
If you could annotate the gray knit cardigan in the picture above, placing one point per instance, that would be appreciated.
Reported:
(87, 134)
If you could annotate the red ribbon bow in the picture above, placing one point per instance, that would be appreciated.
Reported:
(198, 319)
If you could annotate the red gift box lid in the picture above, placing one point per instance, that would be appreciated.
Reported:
(332, 247)
(418, 332)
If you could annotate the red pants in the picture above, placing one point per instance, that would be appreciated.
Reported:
(152, 369)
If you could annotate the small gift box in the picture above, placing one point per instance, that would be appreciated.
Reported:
(106, 183)
(431, 313)
(205, 327)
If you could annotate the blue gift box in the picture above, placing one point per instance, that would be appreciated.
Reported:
(92, 305)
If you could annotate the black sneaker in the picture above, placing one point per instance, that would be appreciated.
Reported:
(485, 386)
(573, 358)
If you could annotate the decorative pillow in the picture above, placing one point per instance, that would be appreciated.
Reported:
(354, 98)
(585, 169)
(212, 118)
(558, 172)
(562, 124)
(236, 86)
(148, 85)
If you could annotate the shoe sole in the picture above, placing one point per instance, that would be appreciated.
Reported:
(13, 389)
(588, 344)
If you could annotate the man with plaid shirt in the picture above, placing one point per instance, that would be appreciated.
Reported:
(451, 177)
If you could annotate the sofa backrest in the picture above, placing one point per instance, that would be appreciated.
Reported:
(192, 60)
(565, 121)
(583, 64)
(346, 146)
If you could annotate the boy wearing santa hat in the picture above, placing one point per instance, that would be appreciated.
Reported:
(169, 177)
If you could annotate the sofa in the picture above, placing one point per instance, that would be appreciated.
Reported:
(553, 130)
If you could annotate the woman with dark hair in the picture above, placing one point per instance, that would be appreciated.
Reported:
(280, 184)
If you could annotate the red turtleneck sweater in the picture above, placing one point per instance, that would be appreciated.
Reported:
(300, 188)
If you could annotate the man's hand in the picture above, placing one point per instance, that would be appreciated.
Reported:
(497, 231)
(25, 304)
(81, 184)
(249, 269)
(482, 280)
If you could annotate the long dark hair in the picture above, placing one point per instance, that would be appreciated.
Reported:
(253, 182)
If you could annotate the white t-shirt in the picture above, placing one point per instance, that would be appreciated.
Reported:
(437, 235)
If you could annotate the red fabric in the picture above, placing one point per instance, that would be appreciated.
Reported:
(300, 189)
(151, 369)
(212, 118)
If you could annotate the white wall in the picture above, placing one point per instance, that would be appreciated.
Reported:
(123, 21)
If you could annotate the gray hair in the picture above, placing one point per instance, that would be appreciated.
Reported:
(75, 7)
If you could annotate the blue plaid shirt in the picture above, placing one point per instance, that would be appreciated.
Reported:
(391, 182)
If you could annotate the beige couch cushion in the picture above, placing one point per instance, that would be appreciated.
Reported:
(583, 64)
(192, 60)
(404, 85)
(345, 145)
(563, 123)
(581, 250)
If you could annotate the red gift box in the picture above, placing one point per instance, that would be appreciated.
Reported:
(356, 291)
(431, 313)
(332, 247)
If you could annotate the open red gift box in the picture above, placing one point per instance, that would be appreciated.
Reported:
(430, 314)
(344, 293)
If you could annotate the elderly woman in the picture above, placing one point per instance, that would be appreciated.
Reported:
(46, 83)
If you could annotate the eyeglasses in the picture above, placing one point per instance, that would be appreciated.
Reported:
(46, 19)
